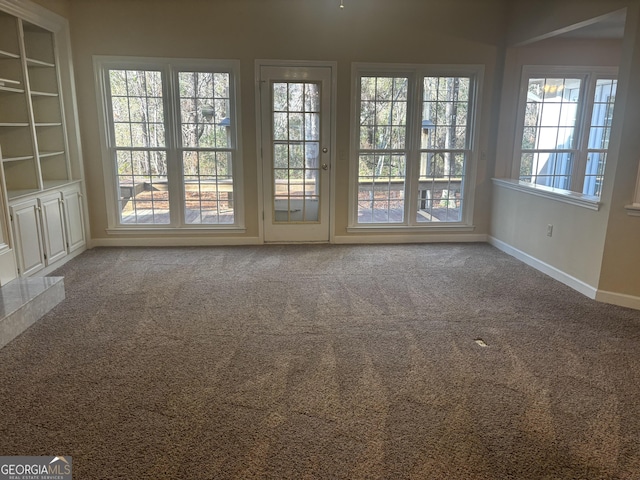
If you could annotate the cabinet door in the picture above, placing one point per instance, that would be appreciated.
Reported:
(55, 242)
(28, 237)
(75, 219)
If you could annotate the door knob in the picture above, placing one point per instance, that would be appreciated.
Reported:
(325, 166)
(325, 150)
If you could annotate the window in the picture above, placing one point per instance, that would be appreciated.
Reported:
(565, 118)
(444, 148)
(207, 156)
(599, 133)
(413, 144)
(382, 152)
(137, 115)
(171, 147)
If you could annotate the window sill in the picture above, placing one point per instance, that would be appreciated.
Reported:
(633, 209)
(154, 230)
(377, 228)
(564, 196)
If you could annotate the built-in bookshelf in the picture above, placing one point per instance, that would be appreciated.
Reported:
(41, 169)
(16, 137)
(32, 121)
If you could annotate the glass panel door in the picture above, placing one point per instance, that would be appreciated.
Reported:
(296, 152)
(296, 148)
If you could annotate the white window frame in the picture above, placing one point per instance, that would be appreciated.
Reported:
(169, 68)
(416, 74)
(589, 76)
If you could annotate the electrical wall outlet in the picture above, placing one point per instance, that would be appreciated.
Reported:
(549, 230)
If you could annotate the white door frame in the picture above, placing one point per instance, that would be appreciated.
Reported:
(332, 129)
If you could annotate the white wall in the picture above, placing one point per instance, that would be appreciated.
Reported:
(520, 219)
(600, 248)
(621, 258)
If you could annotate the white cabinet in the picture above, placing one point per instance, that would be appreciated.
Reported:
(47, 229)
(27, 230)
(8, 269)
(73, 208)
(53, 227)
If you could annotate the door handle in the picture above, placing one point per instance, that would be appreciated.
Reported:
(325, 166)
(325, 150)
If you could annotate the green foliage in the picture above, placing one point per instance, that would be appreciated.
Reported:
(383, 113)
(446, 108)
(383, 120)
(213, 165)
(204, 105)
(385, 166)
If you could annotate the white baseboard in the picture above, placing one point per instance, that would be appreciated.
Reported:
(174, 241)
(400, 238)
(619, 299)
(221, 241)
(545, 268)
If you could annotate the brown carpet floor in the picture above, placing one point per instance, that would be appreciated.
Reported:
(324, 362)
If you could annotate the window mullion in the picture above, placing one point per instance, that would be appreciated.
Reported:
(583, 127)
(174, 161)
(414, 125)
(519, 150)
(110, 139)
